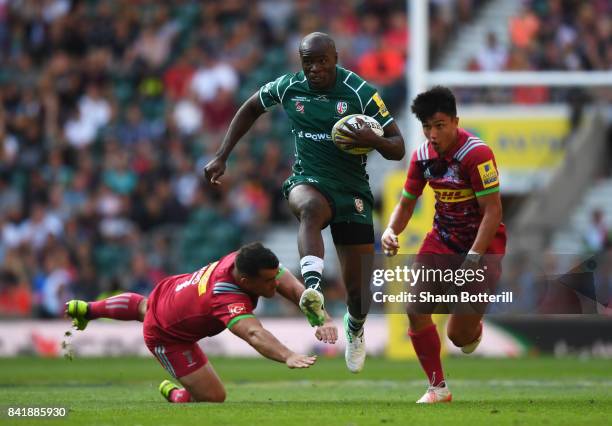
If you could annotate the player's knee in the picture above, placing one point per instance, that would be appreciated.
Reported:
(460, 338)
(217, 396)
(311, 212)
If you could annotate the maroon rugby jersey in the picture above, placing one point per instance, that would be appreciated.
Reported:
(466, 172)
(189, 307)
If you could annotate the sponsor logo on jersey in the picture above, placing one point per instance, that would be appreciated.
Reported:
(359, 205)
(322, 98)
(236, 308)
(341, 107)
(299, 107)
(300, 99)
(488, 174)
(453, 195)
(314, 136)
(381, 105)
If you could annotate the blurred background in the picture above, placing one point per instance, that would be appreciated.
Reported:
(110, 109)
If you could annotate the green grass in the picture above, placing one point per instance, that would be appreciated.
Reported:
(117, 391)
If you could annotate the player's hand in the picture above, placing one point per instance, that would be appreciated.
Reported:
(300, 361)
(214, 170)
(359, 136)
(390, 242)
(328, 332)
(471, 262)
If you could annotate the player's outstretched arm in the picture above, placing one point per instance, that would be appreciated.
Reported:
(291, 289)
(251, 331)
(397, 223)
(241, 123)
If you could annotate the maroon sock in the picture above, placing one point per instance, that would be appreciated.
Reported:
(122, 307)
(426, 343)
(180, 396)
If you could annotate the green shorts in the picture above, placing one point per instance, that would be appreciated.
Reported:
(348, 205)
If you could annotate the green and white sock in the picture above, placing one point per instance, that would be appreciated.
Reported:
(354, 324)
(312, 271)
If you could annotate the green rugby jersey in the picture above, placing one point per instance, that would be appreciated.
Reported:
(313, 114)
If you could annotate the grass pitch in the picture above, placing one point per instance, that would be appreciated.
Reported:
(118, 391)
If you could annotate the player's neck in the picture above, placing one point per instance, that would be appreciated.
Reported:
(236, 275)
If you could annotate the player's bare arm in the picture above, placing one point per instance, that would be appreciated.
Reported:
(248, 113)
(491, 207)
(391, 145)
(397, 223)
(291, 289)
(251, 331)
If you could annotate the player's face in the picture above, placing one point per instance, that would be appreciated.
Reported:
(263, 284)
(319, 67)
(441, 131)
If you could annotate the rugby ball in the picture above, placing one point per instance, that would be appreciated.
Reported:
(341, 141)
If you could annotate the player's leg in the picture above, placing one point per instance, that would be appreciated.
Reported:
(314, 212)
(426, 342)
(354, 244)
(465, 331)
(123, 307)
(194, 372)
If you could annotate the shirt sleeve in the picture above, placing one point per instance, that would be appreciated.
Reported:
(415, 182)
(482, 169)
(270, 93)
(376, 108)
(230, 308)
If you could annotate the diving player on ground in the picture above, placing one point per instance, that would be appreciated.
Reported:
(461, 170)
(328, 186)
(182, 309)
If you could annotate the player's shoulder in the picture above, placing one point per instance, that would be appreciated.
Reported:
(422, 152)
(474, 149)
(354, 81)
(283, 81)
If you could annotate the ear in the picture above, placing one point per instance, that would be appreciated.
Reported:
(456, 121)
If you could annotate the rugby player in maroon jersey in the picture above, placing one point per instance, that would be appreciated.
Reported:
(461, 170)
(183, 309)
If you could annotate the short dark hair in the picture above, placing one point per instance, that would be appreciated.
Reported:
(253, 257)
(437, 99)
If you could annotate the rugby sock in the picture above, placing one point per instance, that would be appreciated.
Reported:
(122, 307)
(426, 343)
(180, 396)
(354, 324)
(312, 271)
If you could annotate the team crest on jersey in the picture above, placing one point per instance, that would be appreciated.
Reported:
(299, 107)
(236, 308)
(341, 107)
(359, 205)
(488, 174)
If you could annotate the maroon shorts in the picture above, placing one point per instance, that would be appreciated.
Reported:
(178, 358)
(436, 255)
(433, 246)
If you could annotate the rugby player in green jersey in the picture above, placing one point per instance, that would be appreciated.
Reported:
(328, 186)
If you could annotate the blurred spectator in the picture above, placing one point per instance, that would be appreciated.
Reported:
(493, 56)
(15, 297)
(596, 235)
(524, 27)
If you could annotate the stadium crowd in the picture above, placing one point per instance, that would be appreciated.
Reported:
(109, 110)
(547, 35)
